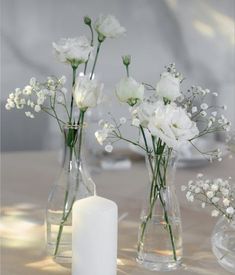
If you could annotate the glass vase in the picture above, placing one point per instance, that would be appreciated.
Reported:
(73, 183)
(159, 244)
(223, 243)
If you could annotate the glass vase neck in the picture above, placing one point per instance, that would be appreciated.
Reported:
(73, 145)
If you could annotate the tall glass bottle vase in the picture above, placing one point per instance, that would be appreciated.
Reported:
(73, 183)
(160, 235)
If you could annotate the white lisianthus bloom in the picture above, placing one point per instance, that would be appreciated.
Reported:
(168, 86)
(172, 124)
(87, 92)
(73, 50)
(108, 26)
(145, 111)
(129, 90)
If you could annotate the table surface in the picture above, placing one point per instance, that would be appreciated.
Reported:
(26, 181)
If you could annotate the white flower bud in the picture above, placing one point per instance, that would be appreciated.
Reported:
(168, 86)
(8, 107)
(230, 210)
(210, 194)
(37, 108)
(226, 202)
(108, 148)
(194, 109)
(129, 90)
(215, 213)
(108, 26)
(204, 106)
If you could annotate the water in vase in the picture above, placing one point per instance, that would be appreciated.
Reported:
(156, 251)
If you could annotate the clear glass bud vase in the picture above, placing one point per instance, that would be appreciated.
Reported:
(223, 243)
(73, 183)
(159, 244)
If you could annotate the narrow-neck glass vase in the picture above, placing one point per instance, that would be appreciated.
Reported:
(159, 244)
(73, 183)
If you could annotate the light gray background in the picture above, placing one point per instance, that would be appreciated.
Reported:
(198, 35)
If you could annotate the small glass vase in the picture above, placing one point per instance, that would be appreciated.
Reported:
(223, 243)
(73, 183)
(159, 244)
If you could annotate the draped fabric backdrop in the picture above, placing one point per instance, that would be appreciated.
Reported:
(198, 35)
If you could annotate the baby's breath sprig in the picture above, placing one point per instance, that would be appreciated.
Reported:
(41, 96)
(217, 193)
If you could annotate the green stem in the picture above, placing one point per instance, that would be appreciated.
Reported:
(92, 40)
(127, 71)
(154, 197)
(66, 215)
(96, 57)
(71, 104)
(81, 122)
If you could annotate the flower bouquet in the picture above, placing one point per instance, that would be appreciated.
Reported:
(165, 118)
(69, 110)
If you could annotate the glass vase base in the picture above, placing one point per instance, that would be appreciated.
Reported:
(159, 265)
(63, 259)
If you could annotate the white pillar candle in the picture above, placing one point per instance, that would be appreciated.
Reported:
(94, 237)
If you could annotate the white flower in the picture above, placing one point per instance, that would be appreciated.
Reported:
(183, 188)
(210, 194)
(108, 26)
(214, 113)
(204, 106)
(215, 199)
(203, 113)
(122, 120)
(230, 210)
(224, 191)
(136, 122)
(209, 124)
(214, 187)
(29, 114)
(37, 108)
(226, 202)
(172, 124)
(87, 92)
(27, 90)
(205, 186)
(144, 112)
(215, 213)
(199, 175)
(73, 50)
(168, 86)
(129, 90)
(189, 196)
(108, 148)
(194, 109)
(11, 96)
(8, 107)
(102, 135)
